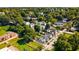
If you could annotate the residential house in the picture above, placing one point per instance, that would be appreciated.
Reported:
(2, 13)
(43, 24)
(74, 29)
(58, 24)
(32, 25)
(27, 23)
(65, 20)
(46, 37)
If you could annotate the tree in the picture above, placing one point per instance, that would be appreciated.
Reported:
(20, 20)
(24, 40)
(37, 28)
(41, 18)
(4, 20)
(19, 29)
(68, 25)
(47, 26)
(63, 46)
(53, 20)
(29, 31)
(27, 38)
(67, 42)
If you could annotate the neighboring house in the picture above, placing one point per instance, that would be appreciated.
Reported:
(2, 13)
(27, 17)
(27, 23)
(36, 22)
(30, 17)
(65, 20)
(34, 18)
(32, 25)
(41, 13)
(45, 38)
(58, 24)
(43, 24)
(74, 28)
(30, 12)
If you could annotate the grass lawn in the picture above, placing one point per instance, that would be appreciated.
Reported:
(4, 27)
(3, 45)
(35, 45)
(3, 30)
(31, 46)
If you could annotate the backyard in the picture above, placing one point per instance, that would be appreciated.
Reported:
(31, 46)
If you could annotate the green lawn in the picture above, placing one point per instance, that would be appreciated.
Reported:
(35, 45)
(4, 27)
(31, 46)
(3, 45)
(3, 30)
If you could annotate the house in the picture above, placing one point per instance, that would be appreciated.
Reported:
(32, 25)
(43, 24)
(46, 37)
(31, 18)
(74, 28)
(2, 13)
(36, 22)
(30, 12)
(65, 20)
(28, 17)
(43, 39)
(41, 13)
(27, 23)
(35, 18)
(58, 24)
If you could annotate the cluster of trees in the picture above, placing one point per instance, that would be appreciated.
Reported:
(67, 42)
(18, 15)
(26, 32)
(37, 28)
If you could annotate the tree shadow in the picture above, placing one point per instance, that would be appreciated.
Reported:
(22, 41)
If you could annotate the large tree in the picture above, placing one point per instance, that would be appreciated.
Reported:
(37, 28)
(67, 42)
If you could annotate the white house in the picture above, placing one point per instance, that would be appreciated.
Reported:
(28, 17)
(65, 20)
(43, 24)
(27, 23)
(32, 25)
(2, 13)
(58, 24)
